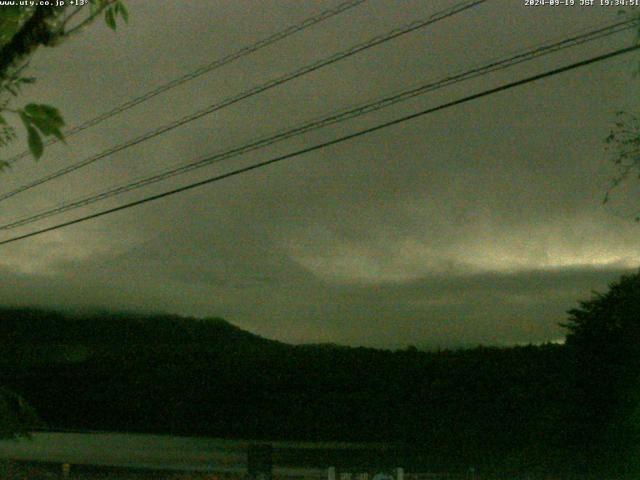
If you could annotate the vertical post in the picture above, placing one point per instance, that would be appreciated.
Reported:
(399, 473)
(66, 469)
(331, 473)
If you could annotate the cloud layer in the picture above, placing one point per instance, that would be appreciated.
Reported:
(479, 224)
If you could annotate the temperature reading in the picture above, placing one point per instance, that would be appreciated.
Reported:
(581, 3)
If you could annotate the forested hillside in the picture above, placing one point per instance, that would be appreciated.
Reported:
(168, 374)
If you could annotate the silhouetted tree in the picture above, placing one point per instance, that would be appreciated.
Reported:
(604, 333)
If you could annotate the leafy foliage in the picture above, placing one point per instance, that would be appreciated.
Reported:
(12, 18)
(22, 30)
(113, 11)
(624, 144)
(608, 321)
(13, 83)
(604, 333)
(41, 120)
(7, 135)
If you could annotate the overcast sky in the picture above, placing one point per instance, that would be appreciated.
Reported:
(482, 223)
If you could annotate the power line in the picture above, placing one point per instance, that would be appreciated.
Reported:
(281, 35)
(249, 93)
(492, 66)
(336, 141)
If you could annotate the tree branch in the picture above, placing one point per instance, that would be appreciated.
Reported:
(34, 32)
(88, 20)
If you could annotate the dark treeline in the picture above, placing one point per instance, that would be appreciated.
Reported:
(496, 408)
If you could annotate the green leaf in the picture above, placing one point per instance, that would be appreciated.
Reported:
(110, 18)
(26, 120)
(45, 117)
(93, 7)
(3, 121)
(122, 10)
(44, 111)
(59, 135)
(35, 142)
(11, 19)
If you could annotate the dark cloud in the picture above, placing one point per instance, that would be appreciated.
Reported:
(478, 224)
